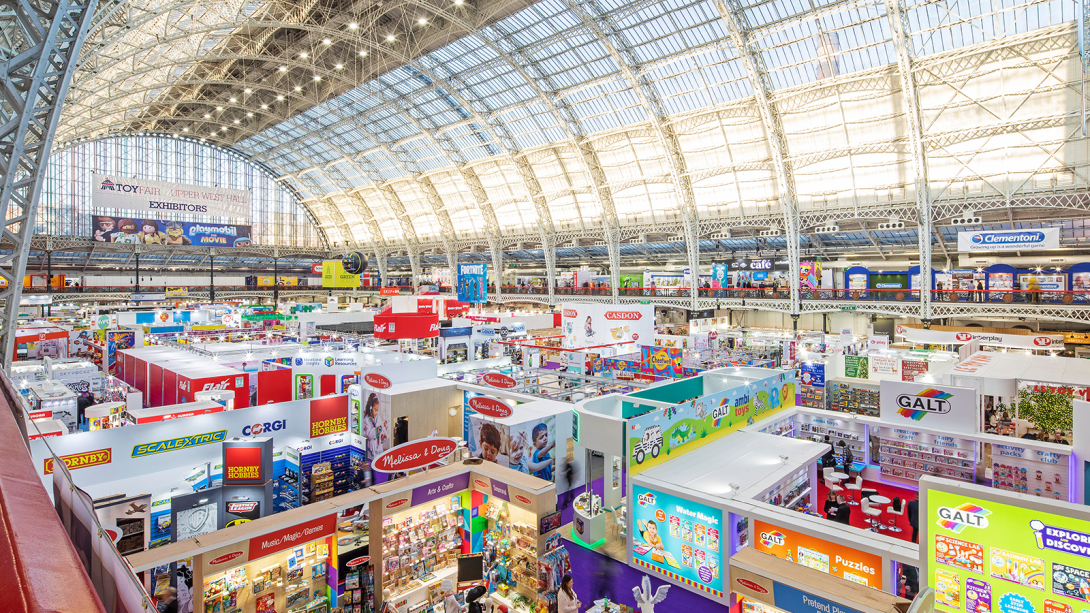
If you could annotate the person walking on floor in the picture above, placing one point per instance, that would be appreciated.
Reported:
(914, 519)
(566, 600)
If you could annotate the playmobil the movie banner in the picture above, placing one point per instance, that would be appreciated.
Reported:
(130, 230)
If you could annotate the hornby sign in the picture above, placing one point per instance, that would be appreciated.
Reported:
(496, 379)
(377, 381)
(82, 460)
(490, 407)
(414, 455)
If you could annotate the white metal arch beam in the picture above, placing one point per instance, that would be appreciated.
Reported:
(734, 19)
(613, 41)
(898, 26)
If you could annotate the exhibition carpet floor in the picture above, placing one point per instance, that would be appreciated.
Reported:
(597, 576)
(889, 491)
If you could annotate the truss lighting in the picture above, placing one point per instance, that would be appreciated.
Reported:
(339, 66)
(326, 41)
(317, 78)
(219, 108)
(422, 21)
(207, 116)
(298, 89)
(247, 90)
(249, 114)
(279, 97)
(236, 121)
(233, 101)
(303, 54)
(185, 129)
(353, 25)
(264, 106)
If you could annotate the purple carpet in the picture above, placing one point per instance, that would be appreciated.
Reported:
(596, 576)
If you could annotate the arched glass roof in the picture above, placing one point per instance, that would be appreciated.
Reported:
(478, 119)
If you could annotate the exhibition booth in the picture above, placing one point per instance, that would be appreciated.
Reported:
(462, 523)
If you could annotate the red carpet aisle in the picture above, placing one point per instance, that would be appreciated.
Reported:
(889, 491)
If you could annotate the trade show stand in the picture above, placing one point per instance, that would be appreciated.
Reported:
(440, 522)
(901, 454)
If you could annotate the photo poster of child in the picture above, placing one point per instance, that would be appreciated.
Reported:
(375, 422)
(532, 448)
(489, 440)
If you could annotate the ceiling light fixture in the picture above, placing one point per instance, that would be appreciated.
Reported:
(362, 53)
(279, 97)
(317, 78)
(219, 108)
(422, 21)
(264, 106)
(298, 89)
(207, 116)
(326, 41)
(390, 38)
(185, 129)
(353, 25)
(236, 121)
(233, 100)
(247, 90)
(339, 66)
(283, 69)
(249, 114)
(303, 54)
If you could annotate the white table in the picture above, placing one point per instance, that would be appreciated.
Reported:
(879, 499)
(838, 476)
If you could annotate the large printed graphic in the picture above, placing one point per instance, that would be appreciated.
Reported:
(678, 538)
(528, 447)
(992, 557)
(596, 325)
(655, 437)
(828, 557)
(105, 229)
(473, 283)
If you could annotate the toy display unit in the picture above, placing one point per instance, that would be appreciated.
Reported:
(520, 561)
(791, 493)
(419, 548)
(851, 432)
(291, 581)
(908, 455)
(853, 395)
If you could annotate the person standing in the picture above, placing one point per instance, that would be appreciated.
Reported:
(914, 519)
(566, 600)
(979, 291)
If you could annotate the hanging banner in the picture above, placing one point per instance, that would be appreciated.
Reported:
(950, 337)
(1009, 240)
(473, 283)
(885, 367)
(334, 275)
(855, 366)
(135, 231)
(813, 374)
(159, 197)
(911, 368)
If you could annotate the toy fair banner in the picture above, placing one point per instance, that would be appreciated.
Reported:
(157, 198)
(590, 325)
(942, 407)
(951, 337)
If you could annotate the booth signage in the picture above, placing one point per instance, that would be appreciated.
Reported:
(334, 275)
(389, 291)
(298, 534)
(82, 460)
(678, 538)
(473, 283)
(950, 337)
(316, 269)
(758, 264)
(1035, 560)
(1009, 240)
(441, 489)
(490, 407)
(376, 381)
(751, 585)
(414, 455)
(911, 368)
(813, 374)
(358, 561)
(499, 380)
(796, 601)
(396, 504)
(819, 554)
(242, 465)
(225, 558)
(935, 406)
(182, 442)
(328, 416)
(523, 499)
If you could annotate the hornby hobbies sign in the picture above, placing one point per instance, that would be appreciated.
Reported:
(242, 465)
(414, 455)
(328, 416)
(490, 407)
(376, 381)
(499, 380)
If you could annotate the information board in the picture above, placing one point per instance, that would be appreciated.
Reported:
(679, 539)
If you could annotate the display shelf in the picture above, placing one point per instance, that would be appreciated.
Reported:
(792, 489)
(850, 395)
(781, 427)
(795, 501)
(812, 397)
(926, 454)
(853, 433)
